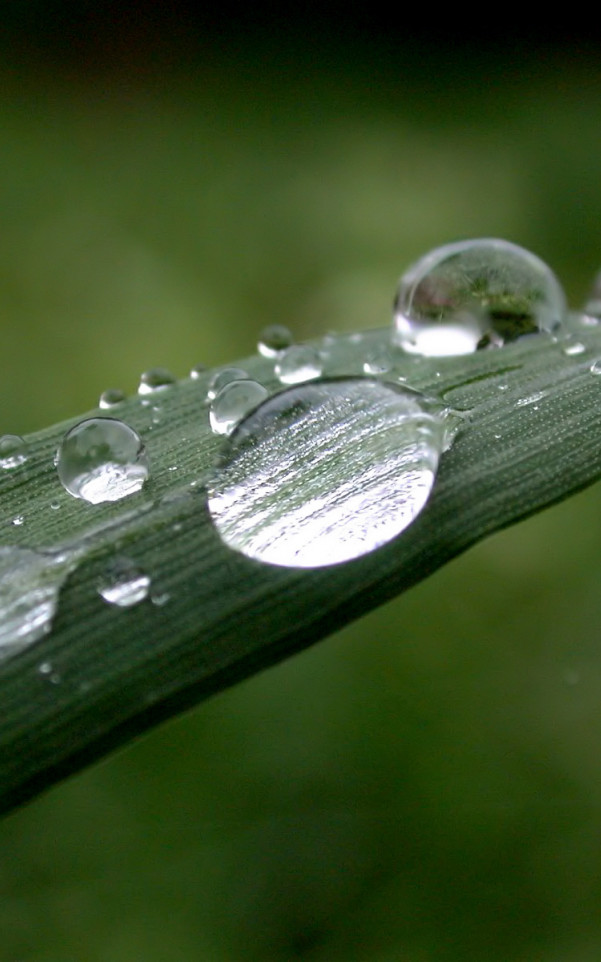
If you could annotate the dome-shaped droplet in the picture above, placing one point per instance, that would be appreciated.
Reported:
(327, 471)
(234, 402)
(592, 308)
(156, 379)
(475, 294)
(298, 364)
(102, 459)
(123, 584)
(273, 340)
(198, 371)
(225, 376)
(30, 583)
(111, 398)
(378, 361)
(13, 451)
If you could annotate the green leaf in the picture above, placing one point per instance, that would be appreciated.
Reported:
(530, 436)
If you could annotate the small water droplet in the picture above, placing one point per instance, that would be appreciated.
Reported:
(273, 340)
(160, 599)
(102, 459)
(574, 348)
(18, 520)
(531, 399)
(474, 294)
(327, 471)
(156, 379)
(30, 582)
(197, 371)
(298, 364)
(378, 362)
(234, 402)
(223, 377)
(157, 414)
(123, 584)
(54, 506)
(46, 670)
(111, 398)
(595, 367)
(13, 451)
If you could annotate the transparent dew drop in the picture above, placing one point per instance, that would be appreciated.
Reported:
(326, 472)
(47, 672)
(19, 520)
(223, 377)
(298, 364)
(233, 403)
(574, 348)
(30, 582)
(595, 367)
(197, 371)
(378, 362)
(111, 398)
(123, 584)
(102, 459)
(273, 340)
(475, 294)
(13, 451)
(156, 379)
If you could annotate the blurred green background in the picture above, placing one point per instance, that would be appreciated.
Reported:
(425, 785)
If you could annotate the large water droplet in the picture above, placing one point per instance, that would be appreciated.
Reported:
(233, 403)
(123, 584)
(475, 294)
(30, 582)
(102, 459)
(273, 340)
(157, 379)
(326, 472)
(297, 364)
(13, 451)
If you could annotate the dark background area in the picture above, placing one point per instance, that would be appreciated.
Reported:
(425, 785)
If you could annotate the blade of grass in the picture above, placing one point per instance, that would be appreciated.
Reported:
(105, 674)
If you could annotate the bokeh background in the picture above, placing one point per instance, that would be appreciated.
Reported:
(424, 786)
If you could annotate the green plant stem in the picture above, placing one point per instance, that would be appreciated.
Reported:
(531, 438)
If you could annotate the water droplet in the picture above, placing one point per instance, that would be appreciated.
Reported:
(54, 505)
(531, 399)
(198, 371)
(326, 472)
(157, 414)
(157, 379)
(595, 367)
(102, 459)
(297, 364)
(234, 402)
(574, 348)
(378, 362)
(13, 451)
(123, 584)
(160, 599)
(111, 398)
(475, 294)
(273, 340)
(223, 377)
(18, 520)
(30, 582)
(46, 670)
